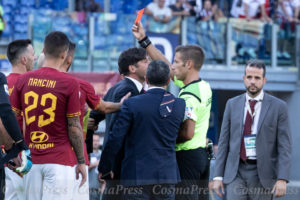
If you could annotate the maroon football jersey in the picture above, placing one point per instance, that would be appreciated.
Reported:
(47, 98)
(87, 95)
(11, 81)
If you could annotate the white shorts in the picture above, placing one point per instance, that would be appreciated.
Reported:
(50, 182)
(82, 192)
(14, 186)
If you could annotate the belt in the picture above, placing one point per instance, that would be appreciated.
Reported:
(248, 161)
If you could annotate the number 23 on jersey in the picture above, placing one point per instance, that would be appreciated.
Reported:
(40, 101)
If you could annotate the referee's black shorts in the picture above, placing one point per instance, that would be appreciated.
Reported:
(194, 172)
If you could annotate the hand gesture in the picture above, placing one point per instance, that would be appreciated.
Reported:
(138, 31)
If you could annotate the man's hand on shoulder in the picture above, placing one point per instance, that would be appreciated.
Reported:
(125, 97)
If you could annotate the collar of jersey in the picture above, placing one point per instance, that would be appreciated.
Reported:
(196, 81)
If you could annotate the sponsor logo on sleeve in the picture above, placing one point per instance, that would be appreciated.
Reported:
(189, 111)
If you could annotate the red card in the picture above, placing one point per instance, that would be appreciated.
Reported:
(139, 16)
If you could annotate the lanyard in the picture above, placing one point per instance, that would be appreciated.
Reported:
(250, 111)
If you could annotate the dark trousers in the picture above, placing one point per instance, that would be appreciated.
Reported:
(113, 190)
(246, 185)
(2, 183)
(150, 192)
(194, 172)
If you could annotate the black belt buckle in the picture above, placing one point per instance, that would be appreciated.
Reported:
(249, 162)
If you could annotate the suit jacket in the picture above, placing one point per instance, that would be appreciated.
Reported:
(114, 94)
(150, 140)
(273, 141)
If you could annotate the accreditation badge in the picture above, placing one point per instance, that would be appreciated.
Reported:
(250, 145)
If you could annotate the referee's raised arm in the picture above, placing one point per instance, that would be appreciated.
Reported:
(139, 33)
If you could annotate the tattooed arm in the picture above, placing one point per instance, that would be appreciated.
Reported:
(76, 138)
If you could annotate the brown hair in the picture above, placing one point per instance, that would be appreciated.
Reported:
(192, 52)
(258, 64)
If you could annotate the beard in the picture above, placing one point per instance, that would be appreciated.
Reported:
(253, 92)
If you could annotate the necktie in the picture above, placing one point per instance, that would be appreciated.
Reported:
(247, 128)
(142, 91)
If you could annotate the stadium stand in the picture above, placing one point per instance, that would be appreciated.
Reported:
(111, 32)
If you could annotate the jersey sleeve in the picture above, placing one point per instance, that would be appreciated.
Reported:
(73, 104)
(15, 98)
(91, 98)
(191, 107)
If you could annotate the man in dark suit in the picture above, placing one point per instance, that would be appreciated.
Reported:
(148, 126)
(254, 155)
(133, 64)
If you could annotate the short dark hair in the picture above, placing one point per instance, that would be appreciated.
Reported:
(16, 48)
(72, 47)
(56, 43)
(158, 73)
(258, 64)
(130, 57)
(192, 52)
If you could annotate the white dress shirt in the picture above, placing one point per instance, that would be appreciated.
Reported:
(155, 87)
(257, 109)
(138, 85)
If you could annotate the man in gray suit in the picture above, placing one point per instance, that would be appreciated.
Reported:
(254, 155)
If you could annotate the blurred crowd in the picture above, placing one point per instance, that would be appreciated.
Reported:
(284, 13)
(266, 10)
